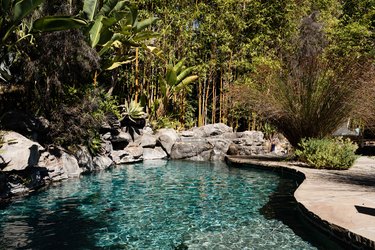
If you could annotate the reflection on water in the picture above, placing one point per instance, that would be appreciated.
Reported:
(154, 205)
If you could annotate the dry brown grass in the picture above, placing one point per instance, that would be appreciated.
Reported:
(312, 93)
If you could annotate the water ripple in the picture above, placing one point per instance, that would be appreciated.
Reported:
(156, 205)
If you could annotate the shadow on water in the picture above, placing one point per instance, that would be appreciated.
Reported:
(70, 230)
(283, 206)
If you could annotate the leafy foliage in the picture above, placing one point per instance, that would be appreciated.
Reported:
(94, 143)
(336, 153)
(109, 105)
(133, 118)
(14, 27)
(68, 62)
(167, 122)
(268, 130)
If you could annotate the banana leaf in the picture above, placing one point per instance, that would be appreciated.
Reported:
(56, 23)
(144, 35)
(184, 74)
(118, 64)
(184, 83)
(145, 23)
(5, 5)
(24, 7)
(177, 68)
(95, 31)
(107, 7)
(90, 8)
(171, 76)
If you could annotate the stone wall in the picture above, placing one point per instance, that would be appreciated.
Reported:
(27, 165)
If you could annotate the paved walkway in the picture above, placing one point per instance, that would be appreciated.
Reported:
(342, 202)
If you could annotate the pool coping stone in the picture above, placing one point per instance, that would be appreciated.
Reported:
(341, 203)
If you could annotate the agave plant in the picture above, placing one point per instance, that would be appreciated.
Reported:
(132, 110)
(133, 118)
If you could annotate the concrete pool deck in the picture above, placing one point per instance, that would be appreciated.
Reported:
(340, 202)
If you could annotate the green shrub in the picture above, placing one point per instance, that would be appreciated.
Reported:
(166, 122)
(109, 105)
(335, 153)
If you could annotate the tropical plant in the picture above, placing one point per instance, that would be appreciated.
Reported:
(335, 153)
(114, 26)
(177, 82)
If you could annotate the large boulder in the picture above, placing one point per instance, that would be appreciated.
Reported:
(106, 146)
(130, 154)
(102, 162)
(249, 138)
(167, 138)
(148, 141)
(154, 153)
(247, 143)
(220, 148)
(18, 152)
(59, 164)
(135, 151)
(121, 141)
(84, 159)
(20, 182)
(147, 130)
(194, 150)
(212, 130)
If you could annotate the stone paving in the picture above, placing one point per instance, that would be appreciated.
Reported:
(341, 202)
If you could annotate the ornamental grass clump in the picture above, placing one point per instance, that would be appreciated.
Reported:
(334, 153)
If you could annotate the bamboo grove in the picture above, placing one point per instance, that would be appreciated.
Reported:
(227, 42)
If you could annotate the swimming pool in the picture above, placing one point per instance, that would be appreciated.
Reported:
(152, 205)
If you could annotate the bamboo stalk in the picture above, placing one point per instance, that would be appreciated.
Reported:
(213, 102)
(136, 74)
(221, 97)
(205, 103)
(200, 104)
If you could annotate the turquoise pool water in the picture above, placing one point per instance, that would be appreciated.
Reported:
(152, 205)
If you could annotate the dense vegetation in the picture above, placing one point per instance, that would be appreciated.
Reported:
(302, 66)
